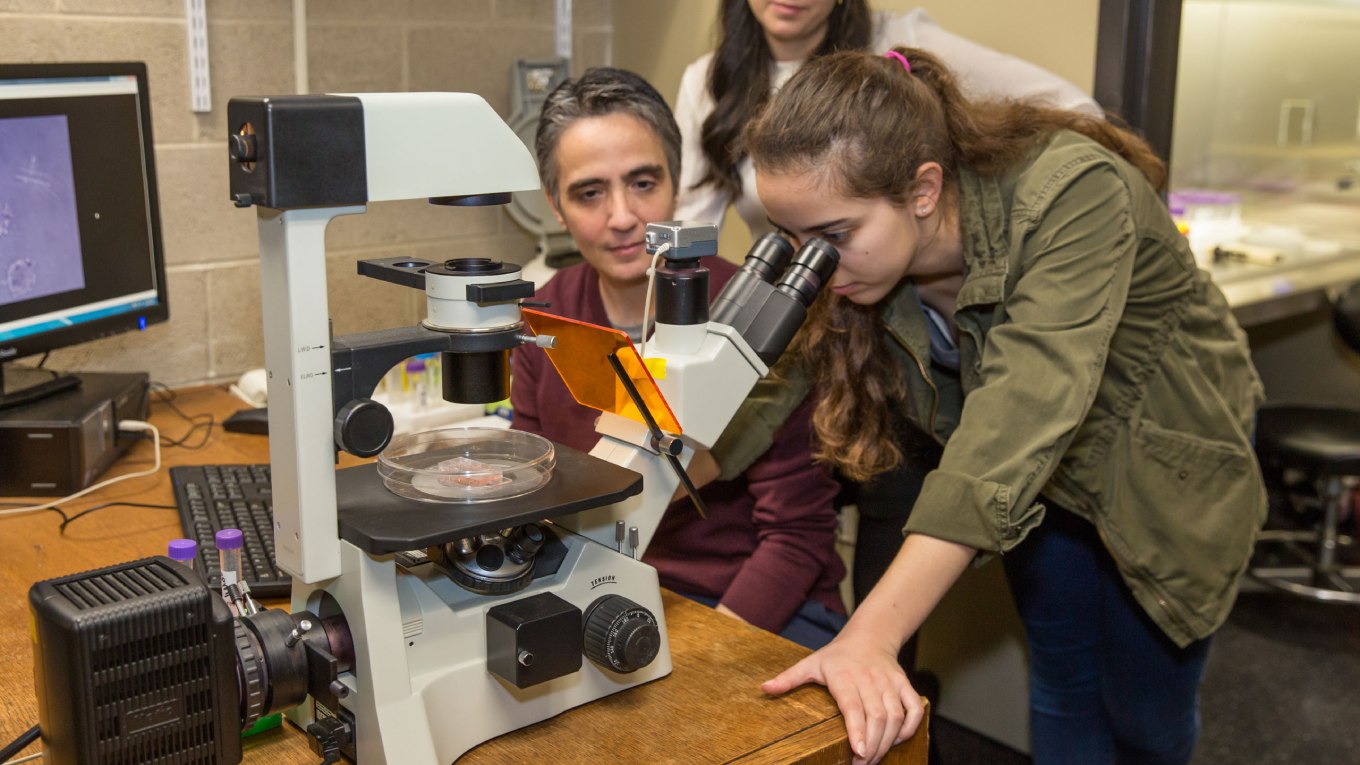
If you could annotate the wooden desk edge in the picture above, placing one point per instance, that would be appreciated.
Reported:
(825, 744)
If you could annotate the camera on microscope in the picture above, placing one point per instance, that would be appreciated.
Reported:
(144, 662)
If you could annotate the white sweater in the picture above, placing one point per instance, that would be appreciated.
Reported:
(981, 71)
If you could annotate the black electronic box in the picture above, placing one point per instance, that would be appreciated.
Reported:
(60, 444)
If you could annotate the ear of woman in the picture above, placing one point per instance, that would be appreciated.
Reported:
(927, 186)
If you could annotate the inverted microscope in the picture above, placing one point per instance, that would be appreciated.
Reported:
(440, 597)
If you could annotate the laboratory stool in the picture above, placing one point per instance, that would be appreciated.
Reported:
(1302, 446)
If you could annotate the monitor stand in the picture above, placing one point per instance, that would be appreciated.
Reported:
(24, 385)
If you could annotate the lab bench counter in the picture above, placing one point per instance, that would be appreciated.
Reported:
(1262, 294)
(710, 709)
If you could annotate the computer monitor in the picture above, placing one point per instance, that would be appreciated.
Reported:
(80, 239)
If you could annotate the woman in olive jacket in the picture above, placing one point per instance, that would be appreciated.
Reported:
(1011, 281)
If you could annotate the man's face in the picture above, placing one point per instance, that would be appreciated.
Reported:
(612, 181)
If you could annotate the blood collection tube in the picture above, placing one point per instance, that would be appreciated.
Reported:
(183, 551)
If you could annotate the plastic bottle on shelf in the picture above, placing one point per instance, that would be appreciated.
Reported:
(416, 382)
(1207, 218)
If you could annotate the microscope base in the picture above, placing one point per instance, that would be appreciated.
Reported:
(420, 690)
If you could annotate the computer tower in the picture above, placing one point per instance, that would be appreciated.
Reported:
(62, 443)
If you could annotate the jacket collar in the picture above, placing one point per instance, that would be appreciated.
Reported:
(901, 314)
(983, 215)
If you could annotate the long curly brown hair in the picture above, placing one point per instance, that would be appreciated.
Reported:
(866, 125)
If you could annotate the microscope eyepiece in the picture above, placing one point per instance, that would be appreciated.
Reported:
(768, 257)
(812, 268)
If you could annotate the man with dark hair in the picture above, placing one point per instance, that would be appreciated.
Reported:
(609, 157)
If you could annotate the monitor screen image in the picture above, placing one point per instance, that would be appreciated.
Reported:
(39, 238)
(80, 244)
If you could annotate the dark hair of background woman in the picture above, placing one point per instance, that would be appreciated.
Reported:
(739, 79)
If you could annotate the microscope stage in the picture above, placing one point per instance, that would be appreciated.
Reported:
(378, 522)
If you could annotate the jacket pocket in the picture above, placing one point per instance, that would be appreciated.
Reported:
(1187, 515)
(1188, 456)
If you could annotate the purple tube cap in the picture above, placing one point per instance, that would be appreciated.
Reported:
(228, 539)
(182, 549)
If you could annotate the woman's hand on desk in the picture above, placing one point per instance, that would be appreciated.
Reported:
(878, 704)
(860, 667)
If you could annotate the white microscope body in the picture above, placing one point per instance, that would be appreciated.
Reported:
(437, 667)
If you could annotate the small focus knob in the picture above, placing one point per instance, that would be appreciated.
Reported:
(243, 147)
(621, 635)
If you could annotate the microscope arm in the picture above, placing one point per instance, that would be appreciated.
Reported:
(361, 360)
(704, 384)
(705, 362)
(668, 446)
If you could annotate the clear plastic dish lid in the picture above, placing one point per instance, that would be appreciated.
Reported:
(466, 464)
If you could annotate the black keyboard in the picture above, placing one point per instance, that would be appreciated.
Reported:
(215, 497)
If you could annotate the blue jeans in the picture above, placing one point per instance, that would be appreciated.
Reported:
(1106, 684)
(813, 626)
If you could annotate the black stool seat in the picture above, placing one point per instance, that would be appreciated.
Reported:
(1322, 443)
(1319, 440)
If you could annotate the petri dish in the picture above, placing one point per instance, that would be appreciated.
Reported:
(466, 464)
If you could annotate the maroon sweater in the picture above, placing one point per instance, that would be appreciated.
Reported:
(768, 544)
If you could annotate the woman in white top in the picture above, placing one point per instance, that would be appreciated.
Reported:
(763, 42)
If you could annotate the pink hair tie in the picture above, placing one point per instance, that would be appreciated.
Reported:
(905, 63)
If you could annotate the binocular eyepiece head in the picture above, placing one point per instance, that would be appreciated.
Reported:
(767, 300)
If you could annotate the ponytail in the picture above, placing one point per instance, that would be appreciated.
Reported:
(993, 136)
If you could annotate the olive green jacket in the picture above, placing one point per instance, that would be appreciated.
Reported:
(1101, 370)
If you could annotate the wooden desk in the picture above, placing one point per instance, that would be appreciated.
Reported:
(709, 710)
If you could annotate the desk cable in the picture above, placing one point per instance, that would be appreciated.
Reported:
(123, 426)
(18, 745)
(202, 421)
(647, 301)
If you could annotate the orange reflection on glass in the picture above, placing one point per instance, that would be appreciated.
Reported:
(581, 357)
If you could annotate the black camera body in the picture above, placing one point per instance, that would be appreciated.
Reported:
(145, 662)
(135, 663)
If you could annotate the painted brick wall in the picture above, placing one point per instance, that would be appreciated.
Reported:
(214, 332)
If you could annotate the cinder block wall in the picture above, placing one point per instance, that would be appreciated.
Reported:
(214, 332)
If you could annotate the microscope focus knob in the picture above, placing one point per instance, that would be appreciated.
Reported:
(621, 635)
(363, 427)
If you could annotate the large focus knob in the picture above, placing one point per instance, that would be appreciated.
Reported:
(363, 427)
(621, 635)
